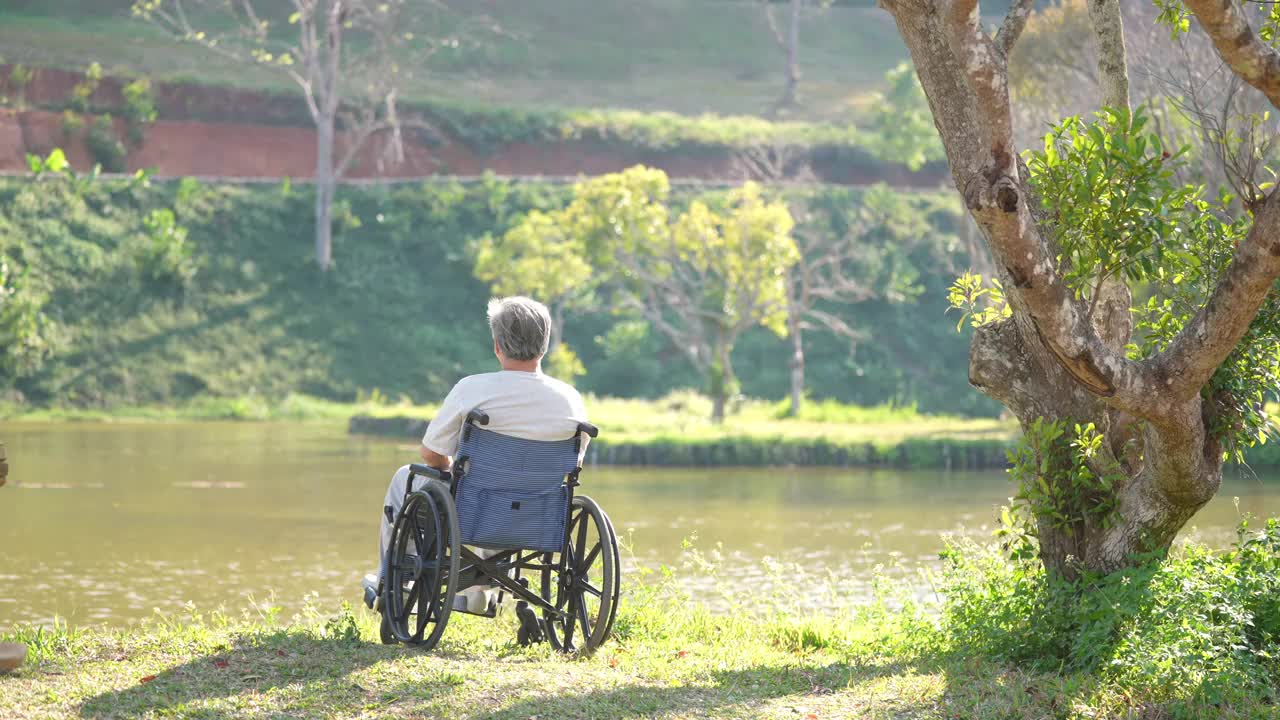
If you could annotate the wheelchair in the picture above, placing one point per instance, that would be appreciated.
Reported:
(553, 550)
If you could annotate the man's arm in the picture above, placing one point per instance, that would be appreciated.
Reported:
(435, 459)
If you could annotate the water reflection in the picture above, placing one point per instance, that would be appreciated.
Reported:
(104, 523)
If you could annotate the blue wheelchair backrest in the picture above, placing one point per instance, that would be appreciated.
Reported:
(511, 492)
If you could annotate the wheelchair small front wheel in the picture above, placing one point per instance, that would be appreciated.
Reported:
(421, 567)
(587, 588)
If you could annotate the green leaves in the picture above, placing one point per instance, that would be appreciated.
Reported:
(56, 162)
(1108, 186)
(1065, 480)
(978, 303)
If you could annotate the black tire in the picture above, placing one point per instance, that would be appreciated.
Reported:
(428, 520)
(589, 589)
(384, 631)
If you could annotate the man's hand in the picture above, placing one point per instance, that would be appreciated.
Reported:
(435, 459)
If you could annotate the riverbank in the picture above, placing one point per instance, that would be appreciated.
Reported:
(671, 657)
(671, 431)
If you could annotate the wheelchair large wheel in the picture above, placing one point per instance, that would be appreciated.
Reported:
(588, 588)
(421, 567)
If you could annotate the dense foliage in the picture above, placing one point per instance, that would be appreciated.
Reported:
(133, 306)
(1199, 627)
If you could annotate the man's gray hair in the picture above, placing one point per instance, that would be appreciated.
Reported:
(521, 327)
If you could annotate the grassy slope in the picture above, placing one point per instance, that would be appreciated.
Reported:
(687, 56)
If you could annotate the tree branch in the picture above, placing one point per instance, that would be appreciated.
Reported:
(1013, 25)
(1239, 46)
(1108, 37)
(1197, 351)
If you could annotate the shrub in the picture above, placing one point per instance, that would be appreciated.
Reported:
(139, 108)
(1196, 625)
(20, 76)
(72, 124)
(164, 256)
(82, 93)
(104, 146)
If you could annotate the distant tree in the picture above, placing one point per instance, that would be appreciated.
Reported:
(537, 257)
(788, 41)
(700, 279)
(349, 58)
(869, 260)
(902, 122)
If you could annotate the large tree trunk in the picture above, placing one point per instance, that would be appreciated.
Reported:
(1057, 358)
(324, 192)
(797, 362)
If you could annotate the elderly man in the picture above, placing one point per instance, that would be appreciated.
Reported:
(519, 399)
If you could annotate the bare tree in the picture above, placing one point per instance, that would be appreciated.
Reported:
(864, 263)
(349, 58)
(1062, 354)
(788, 41)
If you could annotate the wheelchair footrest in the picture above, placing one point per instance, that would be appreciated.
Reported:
(477, 601)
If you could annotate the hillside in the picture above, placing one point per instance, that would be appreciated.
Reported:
(686, 56)
(132, 311)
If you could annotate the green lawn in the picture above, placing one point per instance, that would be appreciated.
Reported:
(686, 56)
(670, 657)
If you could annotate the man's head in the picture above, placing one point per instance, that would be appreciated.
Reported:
(521, 329)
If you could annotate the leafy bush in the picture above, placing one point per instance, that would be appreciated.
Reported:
(24, 329)
(139, 108)
(72, 124)
(104, 146)
(1198, 625)
(82, 93)
(164, 256)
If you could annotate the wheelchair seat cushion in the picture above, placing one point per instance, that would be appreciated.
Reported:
(511, 493)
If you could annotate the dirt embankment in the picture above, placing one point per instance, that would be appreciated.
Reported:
(224, 132)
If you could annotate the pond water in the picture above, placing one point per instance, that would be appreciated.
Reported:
(103, 523)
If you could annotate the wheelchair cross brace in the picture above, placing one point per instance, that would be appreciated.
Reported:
(496, 567)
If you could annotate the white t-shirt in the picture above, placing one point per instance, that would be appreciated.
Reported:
(526, 405)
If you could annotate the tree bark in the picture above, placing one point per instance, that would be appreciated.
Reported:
(324, 193)
(1108, 36)
(722, 387)
(1057, 358)
(795, 330)
(790, 95)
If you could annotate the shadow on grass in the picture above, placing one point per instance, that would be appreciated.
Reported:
(736, 692)
(254, 663)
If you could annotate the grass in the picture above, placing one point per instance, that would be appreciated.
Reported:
(685, 414)
(670, 657)
(684, 56)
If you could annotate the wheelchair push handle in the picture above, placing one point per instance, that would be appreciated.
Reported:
(588, 429)
(478, 417)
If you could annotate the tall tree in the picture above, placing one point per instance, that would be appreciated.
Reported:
(1098, 208)
(349, 58)
(701, 278)
(869, 259)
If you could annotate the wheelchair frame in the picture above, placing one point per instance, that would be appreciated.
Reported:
(561, 608)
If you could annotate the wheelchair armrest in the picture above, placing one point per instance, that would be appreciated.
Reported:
(478, 416)
(428, 471)
(589, 429)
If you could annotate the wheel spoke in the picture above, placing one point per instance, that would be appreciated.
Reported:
(588, 587)
(570, 625)
(408, 603)
(590, 558)
(581, 547)
(582, 617)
